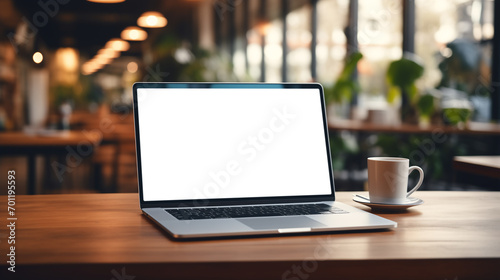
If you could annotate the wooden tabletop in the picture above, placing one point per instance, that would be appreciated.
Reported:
(453, 235)
(481, 165)
(473, 128)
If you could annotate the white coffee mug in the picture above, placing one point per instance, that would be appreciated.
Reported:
(388, 179)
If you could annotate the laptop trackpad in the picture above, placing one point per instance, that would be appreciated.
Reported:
(281, 222)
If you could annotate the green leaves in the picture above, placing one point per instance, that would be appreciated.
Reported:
(457, 115)
(403, 73)
(392, 93)
(345, 85)
(350, 65)
(426, 105)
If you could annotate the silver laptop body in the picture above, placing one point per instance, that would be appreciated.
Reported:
(234, 159)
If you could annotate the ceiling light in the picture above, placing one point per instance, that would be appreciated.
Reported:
(86, 72)
(38, 57)
(67, 59)
(102, 59)
(152, 20)
(134, 34)
(89, 68)
(109, 53)
(96, 64)
(117, 45)
(106, 1)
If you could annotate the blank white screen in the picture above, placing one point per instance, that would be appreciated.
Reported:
(231, 143)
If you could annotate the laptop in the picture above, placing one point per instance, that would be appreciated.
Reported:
(238, 159)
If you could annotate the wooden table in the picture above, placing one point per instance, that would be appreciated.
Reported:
(488, 166)
(453, 235)
(71, 144)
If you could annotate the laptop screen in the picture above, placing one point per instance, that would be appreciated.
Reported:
(231, 142)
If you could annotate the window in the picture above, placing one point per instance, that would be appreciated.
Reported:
(468, 25)
(299, 44)
(331, 43)
(380, 40)
(254, 47)
(441, 22)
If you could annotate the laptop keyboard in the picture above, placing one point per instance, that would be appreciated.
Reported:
(253, 211)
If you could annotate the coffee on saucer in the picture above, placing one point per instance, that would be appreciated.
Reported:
(388, 179)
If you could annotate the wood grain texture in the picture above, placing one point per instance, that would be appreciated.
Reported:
(453, 235)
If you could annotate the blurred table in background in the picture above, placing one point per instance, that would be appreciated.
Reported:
(432, 147)
(488, 166)
(68, 144)
(111, 167)
(473, 128)
(115, 160)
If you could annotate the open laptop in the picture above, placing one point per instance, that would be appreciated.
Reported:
(232, 159)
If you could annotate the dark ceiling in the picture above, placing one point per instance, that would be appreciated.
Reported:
(87, 26)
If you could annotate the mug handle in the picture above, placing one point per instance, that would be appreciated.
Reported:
(419, 180)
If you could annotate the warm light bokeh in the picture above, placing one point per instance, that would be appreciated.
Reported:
(37, 57)
(152, 20)
(134, 33)
(117, 45)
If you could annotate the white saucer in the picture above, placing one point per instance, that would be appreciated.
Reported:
(410, 202)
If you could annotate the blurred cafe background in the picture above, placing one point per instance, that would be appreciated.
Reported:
(410, 78)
